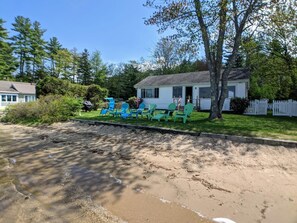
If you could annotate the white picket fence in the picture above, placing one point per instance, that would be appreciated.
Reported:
(284, 108)
(257, 107)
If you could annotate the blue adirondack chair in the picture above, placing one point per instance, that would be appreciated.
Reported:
(136, 112)
(111, 104)
(121, 112)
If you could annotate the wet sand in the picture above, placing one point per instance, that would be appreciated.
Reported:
(73, 172)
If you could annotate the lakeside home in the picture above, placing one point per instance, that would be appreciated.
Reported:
(12, 92)
(193, 87)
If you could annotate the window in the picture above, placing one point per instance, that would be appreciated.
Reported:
(9, 98)
(150, 93)
(177, 92)
(204, 92)
(29, 98)
(231, 91)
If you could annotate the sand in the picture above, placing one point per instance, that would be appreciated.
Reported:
(72, 172)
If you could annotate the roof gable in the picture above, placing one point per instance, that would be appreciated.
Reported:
(17, 87)
(189, 78)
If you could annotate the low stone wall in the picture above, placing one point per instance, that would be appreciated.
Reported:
(241, 139)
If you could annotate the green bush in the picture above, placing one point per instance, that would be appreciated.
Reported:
(239, 105)
(56, 86)
(47, 109)
(52, 85)
(95, 94)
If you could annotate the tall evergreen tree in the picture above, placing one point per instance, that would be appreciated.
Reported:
(53, 47)
(84, 69)
(21, 42)
(38, 53)
(7, 60)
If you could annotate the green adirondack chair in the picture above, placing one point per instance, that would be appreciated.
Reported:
(166, 114)
(186, 114)
(150, 112)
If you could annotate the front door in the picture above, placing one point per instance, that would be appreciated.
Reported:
(189, 95)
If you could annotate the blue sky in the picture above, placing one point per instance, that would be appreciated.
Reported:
(114, 27)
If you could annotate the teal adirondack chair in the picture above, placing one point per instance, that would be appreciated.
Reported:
(150, 112)
(170, 110)
(111, 104)
(124, 110)
(186, 114)
(136, 112)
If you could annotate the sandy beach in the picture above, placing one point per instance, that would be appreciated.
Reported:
(72, 172)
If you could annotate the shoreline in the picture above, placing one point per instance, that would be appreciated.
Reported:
(244, 182)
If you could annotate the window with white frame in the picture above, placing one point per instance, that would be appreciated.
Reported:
(150, 93)
(204, 92)
(231, 92)
(8, 98)
(29, 98)
(177, 91)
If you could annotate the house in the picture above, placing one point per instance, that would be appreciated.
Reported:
(13, 92)
(193, 87)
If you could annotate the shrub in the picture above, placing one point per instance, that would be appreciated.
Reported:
(48, 109)
(132, 101)
(56, 86)
(52, 85)
(239, 105)
(94, 94)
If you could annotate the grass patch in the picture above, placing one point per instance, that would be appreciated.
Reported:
(256, 126)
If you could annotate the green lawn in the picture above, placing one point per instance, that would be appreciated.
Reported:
(260, 126)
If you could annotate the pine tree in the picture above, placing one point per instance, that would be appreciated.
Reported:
(21, 42)
(52, 50)
(7, 60)
(37, 46)
(84, 69)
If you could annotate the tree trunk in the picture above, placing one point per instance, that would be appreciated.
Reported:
(215, 111)
(21, 65)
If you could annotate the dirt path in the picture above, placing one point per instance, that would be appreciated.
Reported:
(69, 172)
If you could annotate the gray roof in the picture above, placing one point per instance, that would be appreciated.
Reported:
(17, 87)
(189, 78)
